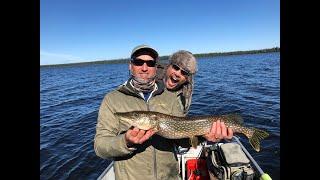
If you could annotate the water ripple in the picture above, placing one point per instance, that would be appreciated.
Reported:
(70, 98)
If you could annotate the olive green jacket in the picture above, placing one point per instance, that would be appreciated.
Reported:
(154, 159)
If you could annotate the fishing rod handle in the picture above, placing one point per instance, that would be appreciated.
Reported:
(265, 177)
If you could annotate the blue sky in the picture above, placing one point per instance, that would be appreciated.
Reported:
(91, 30)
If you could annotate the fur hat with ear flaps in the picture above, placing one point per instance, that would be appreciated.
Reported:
(186, 61)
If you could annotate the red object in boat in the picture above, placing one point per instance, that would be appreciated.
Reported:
(197, 169)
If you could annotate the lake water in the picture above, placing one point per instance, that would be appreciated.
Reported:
(70, 97)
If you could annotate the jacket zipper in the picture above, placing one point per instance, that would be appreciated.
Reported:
(154, 150)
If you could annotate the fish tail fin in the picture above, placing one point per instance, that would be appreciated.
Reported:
(255, 136)
(233, 117)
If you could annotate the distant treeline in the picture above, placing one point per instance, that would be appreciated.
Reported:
(276, 49)
(165, 58)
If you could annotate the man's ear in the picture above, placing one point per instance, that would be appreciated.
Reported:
(130, 66)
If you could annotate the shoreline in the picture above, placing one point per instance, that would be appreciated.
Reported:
(164, 58)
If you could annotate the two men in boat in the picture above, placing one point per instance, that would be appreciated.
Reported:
(138, 153)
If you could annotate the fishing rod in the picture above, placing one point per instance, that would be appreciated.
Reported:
(263, 176)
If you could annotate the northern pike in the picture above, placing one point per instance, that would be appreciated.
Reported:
(173, 127)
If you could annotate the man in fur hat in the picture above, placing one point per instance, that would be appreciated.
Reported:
(178, 76)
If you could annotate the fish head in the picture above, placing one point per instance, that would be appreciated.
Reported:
(137, 119)
(124, 118)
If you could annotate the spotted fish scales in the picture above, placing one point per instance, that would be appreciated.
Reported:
(173, 127)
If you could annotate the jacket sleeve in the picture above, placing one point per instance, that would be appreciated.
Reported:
(108, 143)
(177, 106)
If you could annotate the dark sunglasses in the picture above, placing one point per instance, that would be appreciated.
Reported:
(140, 62)
(177, 68)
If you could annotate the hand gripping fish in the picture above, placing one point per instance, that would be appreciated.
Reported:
(173, 127)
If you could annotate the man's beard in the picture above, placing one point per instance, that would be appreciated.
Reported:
(143, 85)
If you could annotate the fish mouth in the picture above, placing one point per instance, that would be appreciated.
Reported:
(125, 123)
(125, 119)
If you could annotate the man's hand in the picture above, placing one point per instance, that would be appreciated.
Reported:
(218, 131)
(138, 136)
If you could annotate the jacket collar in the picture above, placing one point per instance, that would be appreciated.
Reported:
(127, 89)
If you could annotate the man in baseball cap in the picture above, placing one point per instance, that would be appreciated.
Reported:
(132, 149)
(144, 49)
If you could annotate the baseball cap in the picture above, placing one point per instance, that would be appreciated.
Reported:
(147, 48)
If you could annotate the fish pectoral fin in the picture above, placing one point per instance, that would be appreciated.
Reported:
(156, 128)
(194, 141)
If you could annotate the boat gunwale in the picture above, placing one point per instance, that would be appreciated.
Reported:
(106, 170)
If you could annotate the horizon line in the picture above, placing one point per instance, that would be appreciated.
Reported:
(164, 56)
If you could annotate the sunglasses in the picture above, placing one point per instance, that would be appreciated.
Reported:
(177, 68)
(140, 62)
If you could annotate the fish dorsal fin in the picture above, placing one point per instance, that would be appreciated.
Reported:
(233, 117)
